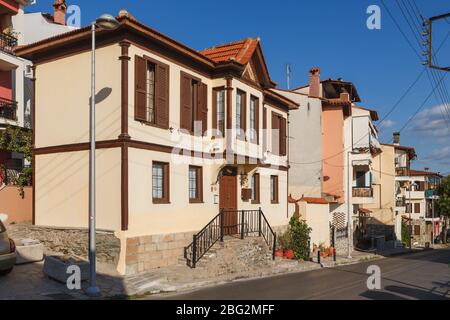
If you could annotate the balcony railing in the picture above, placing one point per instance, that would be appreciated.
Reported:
(402, 171)
(362, 192)
(7, 42)
(8, 109)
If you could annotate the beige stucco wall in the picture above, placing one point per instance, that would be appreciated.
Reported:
(14, 206)
(62, 189)
(317, 218)
(63, 93)
(383, 207)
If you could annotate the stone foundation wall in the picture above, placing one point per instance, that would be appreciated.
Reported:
(155, 251)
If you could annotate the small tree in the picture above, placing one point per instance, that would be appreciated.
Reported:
(444, 203)
(14, 139)
(300, 232)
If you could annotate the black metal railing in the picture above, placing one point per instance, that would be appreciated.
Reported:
(242, 223)
(8, 109)
(7, 42)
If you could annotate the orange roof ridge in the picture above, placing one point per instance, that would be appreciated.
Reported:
(241, 51)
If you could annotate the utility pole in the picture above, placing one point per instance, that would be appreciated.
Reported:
(428, 31)
(288, 76)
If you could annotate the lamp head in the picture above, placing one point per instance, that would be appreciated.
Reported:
(107, 22)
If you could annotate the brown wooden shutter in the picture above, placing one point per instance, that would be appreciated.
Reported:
(202, 106)
(421, 186)
(264, 142)
(186, 102)
(275, 133)
(282, 136)
(214, 108)
(140, 104)
(416, 207)
(244, 113)
(166, 183)
(162, 95)
(257, 119)
(200, 184)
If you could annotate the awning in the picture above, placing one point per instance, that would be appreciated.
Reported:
(357, 163)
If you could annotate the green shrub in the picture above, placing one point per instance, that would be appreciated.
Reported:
(406, 238)
(300, 232)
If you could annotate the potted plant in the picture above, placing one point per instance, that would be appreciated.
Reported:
(289, 254)
(284, 242)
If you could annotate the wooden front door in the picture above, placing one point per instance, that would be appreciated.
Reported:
(228, 202)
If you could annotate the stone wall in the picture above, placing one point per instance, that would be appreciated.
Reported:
(155, 251)
(70, 242)
(425, 232)
(388, 231)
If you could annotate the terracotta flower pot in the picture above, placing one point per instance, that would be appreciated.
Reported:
(331, 251)
(289, 254)
(279, 253)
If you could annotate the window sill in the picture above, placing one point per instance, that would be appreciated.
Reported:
(195, 201)
(160, 201)
(274, 202)
(151, 124)
(256, 202)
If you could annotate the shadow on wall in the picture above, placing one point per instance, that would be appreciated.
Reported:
(14, 207)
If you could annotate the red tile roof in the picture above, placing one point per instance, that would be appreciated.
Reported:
(423, 173)
(364, 210)
(314, 200)
(240, 51)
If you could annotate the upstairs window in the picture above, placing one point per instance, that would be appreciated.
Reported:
(254, 119)
(241, 113)
(279, 134)
(151, 92)
(193, 104)
(219, 110)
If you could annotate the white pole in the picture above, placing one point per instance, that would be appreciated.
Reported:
(349, 242)
(93, 290)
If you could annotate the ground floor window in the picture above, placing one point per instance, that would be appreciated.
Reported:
(195, 184)
(274, 189)
(255, 188)
(160, 182)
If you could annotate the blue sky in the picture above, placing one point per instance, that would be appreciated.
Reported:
(329, 34)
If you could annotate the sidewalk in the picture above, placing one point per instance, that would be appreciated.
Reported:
(29, 282)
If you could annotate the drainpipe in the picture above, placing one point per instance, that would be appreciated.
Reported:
(288, 164)
(349, 205)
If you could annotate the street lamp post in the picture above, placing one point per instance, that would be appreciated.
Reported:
(106, 22)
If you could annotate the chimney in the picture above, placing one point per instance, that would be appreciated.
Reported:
(345, 97)
(314, 82)
(59, 11)
(427, 169)
(397, 138)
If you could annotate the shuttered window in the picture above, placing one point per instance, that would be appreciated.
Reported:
(241, 114)
(264, 142)
(219, 111)
(151, 92)
(416, 207)
(279, 132)
(254, 119)
(193, 104)
(160, 182)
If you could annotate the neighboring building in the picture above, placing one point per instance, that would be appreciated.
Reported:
(340, 135)
(18, 29)
(168, 116)
(382, 219)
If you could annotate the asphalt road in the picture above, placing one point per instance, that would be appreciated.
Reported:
(419, 276)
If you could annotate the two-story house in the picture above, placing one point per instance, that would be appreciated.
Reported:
(181, 134)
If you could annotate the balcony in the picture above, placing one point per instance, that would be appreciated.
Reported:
(362, 192)
(402, 171)
(8, 109)
(430, 193)
(7, 42)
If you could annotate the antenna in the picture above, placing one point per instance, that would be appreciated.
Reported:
(288, 76)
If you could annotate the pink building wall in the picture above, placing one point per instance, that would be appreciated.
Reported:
(333, 151)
